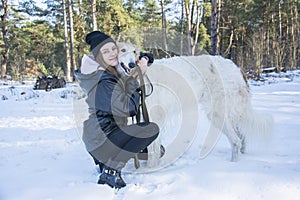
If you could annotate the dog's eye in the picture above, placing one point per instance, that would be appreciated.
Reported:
(123, 50)
(134, 51)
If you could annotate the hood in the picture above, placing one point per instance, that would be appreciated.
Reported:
(89, 64)
(89, 74)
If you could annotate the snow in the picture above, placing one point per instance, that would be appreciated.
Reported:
(43, 157)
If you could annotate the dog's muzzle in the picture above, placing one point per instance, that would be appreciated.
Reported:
(128, 68)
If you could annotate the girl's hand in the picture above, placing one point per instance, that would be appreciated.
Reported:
(143, 65)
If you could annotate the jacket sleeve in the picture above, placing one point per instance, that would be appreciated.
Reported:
(117, 98)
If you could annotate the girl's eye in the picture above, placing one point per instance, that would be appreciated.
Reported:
(105, 52)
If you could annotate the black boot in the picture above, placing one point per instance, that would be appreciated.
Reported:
(101, 166)
(111, 177)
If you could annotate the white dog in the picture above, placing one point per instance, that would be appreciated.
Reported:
(181, 84)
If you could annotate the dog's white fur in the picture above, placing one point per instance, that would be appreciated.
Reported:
(215, 83)
(127, 53)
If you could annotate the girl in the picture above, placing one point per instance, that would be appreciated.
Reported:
(111, 100)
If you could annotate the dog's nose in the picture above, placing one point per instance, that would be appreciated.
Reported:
(131, 65)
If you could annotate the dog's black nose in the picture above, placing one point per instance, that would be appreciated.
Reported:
(131, 65)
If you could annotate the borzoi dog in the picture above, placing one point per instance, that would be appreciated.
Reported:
(186, 84)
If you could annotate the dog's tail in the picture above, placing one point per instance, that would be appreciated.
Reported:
(256, 125)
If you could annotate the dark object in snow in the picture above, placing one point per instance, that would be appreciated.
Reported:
(268, 70)
(4, 98)
(48, 83)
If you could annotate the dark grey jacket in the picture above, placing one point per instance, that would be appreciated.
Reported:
(110, 100)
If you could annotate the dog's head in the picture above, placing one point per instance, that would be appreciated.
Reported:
(128, 55)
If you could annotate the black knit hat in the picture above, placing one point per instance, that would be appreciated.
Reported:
(97, 39)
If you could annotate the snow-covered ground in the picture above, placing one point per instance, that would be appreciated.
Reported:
(42, 156)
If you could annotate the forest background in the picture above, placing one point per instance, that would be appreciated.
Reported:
(48, 37)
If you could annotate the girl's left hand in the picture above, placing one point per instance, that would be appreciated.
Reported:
(143, 65)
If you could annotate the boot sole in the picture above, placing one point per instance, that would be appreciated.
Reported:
(109, 183)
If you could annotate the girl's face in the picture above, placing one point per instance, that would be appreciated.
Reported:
(109, 53)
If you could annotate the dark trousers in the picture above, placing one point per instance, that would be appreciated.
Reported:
(123, 143)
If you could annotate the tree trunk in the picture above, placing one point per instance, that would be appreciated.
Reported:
(196, 27)
(72, 49)
(164, 25)
(275, 58)
(68, 59)
(181, 28)
(280, 45)
(95, 27)
(228, 50)
(192, 28)
(215, 23)
(5, 52)
(189, 27)
(295, 44)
